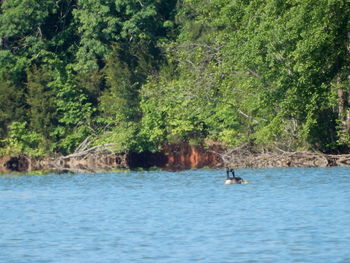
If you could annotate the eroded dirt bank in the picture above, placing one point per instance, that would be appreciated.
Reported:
(172, 157)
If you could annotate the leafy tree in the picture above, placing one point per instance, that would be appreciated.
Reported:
(12, 101)
(42, 102)
(22, 140)
(268, 73)
(279, 64)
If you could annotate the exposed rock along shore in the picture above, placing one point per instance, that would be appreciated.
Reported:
(173, 157)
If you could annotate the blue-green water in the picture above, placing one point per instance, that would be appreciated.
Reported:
(283, 215)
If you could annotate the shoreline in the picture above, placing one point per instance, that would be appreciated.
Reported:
(175, 157)
(289, 159)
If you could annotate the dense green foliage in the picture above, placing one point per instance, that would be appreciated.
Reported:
(271, 74)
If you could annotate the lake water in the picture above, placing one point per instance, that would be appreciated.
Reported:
(283, 215)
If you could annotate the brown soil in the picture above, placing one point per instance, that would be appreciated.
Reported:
(184, 156)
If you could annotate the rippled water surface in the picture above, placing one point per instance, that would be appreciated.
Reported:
(283, 215)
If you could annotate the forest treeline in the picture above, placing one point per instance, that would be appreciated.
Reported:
(137, 74)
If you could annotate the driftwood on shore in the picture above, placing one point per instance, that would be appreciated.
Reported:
(239, 158)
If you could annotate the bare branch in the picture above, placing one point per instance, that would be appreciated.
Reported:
(84, 145)
(97, 148)
(247, 116)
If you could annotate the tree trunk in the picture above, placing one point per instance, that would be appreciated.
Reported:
(344, 109)
(347, 117)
